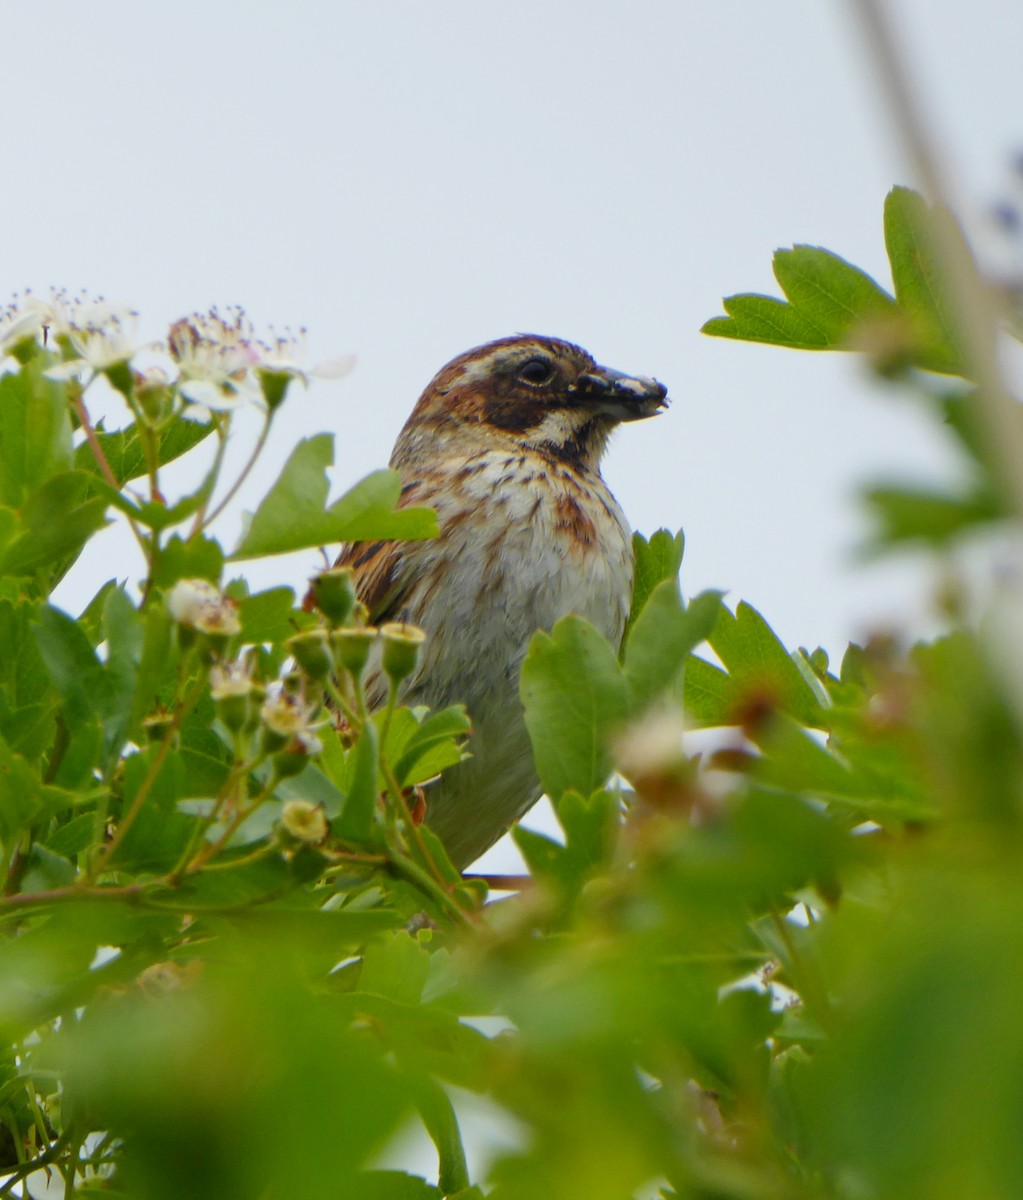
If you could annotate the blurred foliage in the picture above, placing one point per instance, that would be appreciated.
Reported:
(775, 952)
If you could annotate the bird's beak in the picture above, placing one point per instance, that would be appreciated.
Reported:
(622, 397)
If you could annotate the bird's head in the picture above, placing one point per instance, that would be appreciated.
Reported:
(537, 393)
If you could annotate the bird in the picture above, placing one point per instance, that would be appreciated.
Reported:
(505, 443)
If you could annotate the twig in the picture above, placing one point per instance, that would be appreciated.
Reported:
(972, 303)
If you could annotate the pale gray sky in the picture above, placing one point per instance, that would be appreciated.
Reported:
(409, 179)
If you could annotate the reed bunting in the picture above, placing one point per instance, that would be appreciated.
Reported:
(505, 443)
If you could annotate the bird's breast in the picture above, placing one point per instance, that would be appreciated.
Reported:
(522, 544)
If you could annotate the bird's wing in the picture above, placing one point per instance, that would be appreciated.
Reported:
(380, 580)
(384, 571)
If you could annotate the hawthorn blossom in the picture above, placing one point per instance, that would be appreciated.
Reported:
(221, 360)
(305, 821)
(198, 604)
(214, 354)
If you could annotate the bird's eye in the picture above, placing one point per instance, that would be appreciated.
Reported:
(536, 371)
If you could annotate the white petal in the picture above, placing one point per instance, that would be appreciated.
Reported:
(75, 368)
(335, 368)
(201, 391)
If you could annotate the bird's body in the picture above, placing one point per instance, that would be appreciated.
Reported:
(505, 444)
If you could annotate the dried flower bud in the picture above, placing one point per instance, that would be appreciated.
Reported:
(304, 821)
(401, 646)
(311, 650)
(153, 395)
(236, 696)
(333, 594)
(295, 756)
(285, 718)
(352, 648)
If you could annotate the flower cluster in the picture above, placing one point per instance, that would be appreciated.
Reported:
(218, 359)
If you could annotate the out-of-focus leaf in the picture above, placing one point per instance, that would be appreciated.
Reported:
(56, 522)
(124, 630)
(356, 819)
(268, 616)
(20, 801)
(199, 557)
(35, 434)
(294, 515)
(77, 674)
(574, 694)
(913, 514)
(159, 834)
(395, 967)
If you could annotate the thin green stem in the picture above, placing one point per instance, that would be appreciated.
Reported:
(402, 865)
(202, 519)
(82, 413)
(441, 1123)
(805, 977)
(126, 821)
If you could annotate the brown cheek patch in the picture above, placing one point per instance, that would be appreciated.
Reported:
(574, 521)
(511, 413)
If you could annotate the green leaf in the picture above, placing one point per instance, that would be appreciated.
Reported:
(759, 667)
(396, 967)
(124, 631)
(268, 616)
(199, 557)
(574, 694)
(707, 693)
(658, 559)
(591, 826)
(26, 699)
(160, 834)
(157, 661)
(913, 238)
(545, 858)
(828, 291)
(125, 453)
(827, 298)
(35, 433)
(76, 673)
(55, 525)
(755, 318)
(909, 514)
(293, 515)
(24, 798)
(434, 746)
(663, 637)
(356, 820)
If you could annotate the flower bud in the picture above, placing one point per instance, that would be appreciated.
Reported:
(352, 647)
(188, 598)
(295, 756)
(157, 724)
(304, 821)
(311, 650)
(334, 594)
(153, 395)
(401, 646)
(284, 720)
(236, 696)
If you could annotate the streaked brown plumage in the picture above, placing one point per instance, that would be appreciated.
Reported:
(505, 443)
